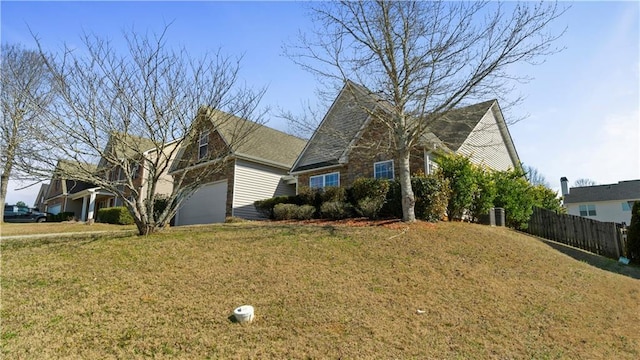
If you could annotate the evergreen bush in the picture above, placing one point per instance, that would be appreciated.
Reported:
(115, 215)
(633, 234)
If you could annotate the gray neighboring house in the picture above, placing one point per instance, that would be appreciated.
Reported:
(258, 167)
(41, 197)
(609, 202)
(349, 143)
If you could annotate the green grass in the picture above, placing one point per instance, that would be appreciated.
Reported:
(14, 229)
(319, 292)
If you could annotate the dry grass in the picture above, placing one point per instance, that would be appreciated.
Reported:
(12, 229)
(320, 291)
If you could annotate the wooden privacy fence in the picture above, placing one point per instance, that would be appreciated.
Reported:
(602, 238)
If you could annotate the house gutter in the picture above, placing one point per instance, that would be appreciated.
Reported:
(294, 173)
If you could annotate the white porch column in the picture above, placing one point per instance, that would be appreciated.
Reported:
(83, 217)
(92, 205)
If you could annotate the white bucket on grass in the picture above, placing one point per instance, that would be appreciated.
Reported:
(244, 314)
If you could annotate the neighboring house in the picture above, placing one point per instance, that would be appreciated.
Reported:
(85, 199)
(258, 159)
(69, 195)
(349, 144)
(41, 197)
(609, 203)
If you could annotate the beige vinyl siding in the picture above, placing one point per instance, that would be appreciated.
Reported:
(486, 146)
(256, 182)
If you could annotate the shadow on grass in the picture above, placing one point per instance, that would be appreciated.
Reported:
(598, 261)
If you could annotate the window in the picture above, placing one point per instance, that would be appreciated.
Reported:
(430, 165)
(383, 170)
(322, 181)
(134, 170)
(627, 205)
(587, 210)
(203, 144)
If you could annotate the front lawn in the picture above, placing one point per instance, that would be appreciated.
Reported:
(320, 291)
(12, 229)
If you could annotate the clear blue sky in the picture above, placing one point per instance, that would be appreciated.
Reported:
(582, 108)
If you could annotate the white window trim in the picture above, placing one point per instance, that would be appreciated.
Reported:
(393, 171)
(586, 206)
(323, 177)
(203, 135)
(428, 160)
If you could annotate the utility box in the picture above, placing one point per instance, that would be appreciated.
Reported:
(497, 217)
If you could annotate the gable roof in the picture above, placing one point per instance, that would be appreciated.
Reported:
(126, 146)
(333, 136)
(623, 190)
(454, 127)
(346, 119)
(258, 142)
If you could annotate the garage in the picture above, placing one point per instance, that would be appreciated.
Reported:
(207, 205)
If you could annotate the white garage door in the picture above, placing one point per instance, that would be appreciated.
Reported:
(207, 205)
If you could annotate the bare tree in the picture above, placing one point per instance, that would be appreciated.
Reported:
(584, 182)
(423, 59)
(116, 114)
(25, 95)
(535, 177)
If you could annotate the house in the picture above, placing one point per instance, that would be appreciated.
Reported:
(41, 197)
(85, 199)
(608, 203)
(232, 162)
(70, 195)
(349, 144)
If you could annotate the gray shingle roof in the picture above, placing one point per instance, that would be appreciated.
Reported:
(455, 126)
(623, 190)
(345, 118)
(261, 142)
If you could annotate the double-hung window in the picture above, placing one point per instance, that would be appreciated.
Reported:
(203, 145)
(383, 170)
(322, 181)
(587, 210)
(430, 165)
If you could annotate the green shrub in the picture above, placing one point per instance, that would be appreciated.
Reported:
(309, 196)
(305, 212)
(514, 194)
(332, 194)
(160, 203)
(115, 215)
(462, 179)
(432, 196)
(392, 207)
(484, 195)
(335, 210)
(266, 206)
(292, 211)
(633, 234)
(368, 196)
(63, 216)
(369, 208)
(284, 211)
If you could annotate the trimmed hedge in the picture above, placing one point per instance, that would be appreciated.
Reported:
(368, 196)
(293, 211)
(63, 216)
(266, 206)
(115, 215)
(335, 210)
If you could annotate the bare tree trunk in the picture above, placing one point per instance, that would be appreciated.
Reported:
(408, 197)
(4, 183)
